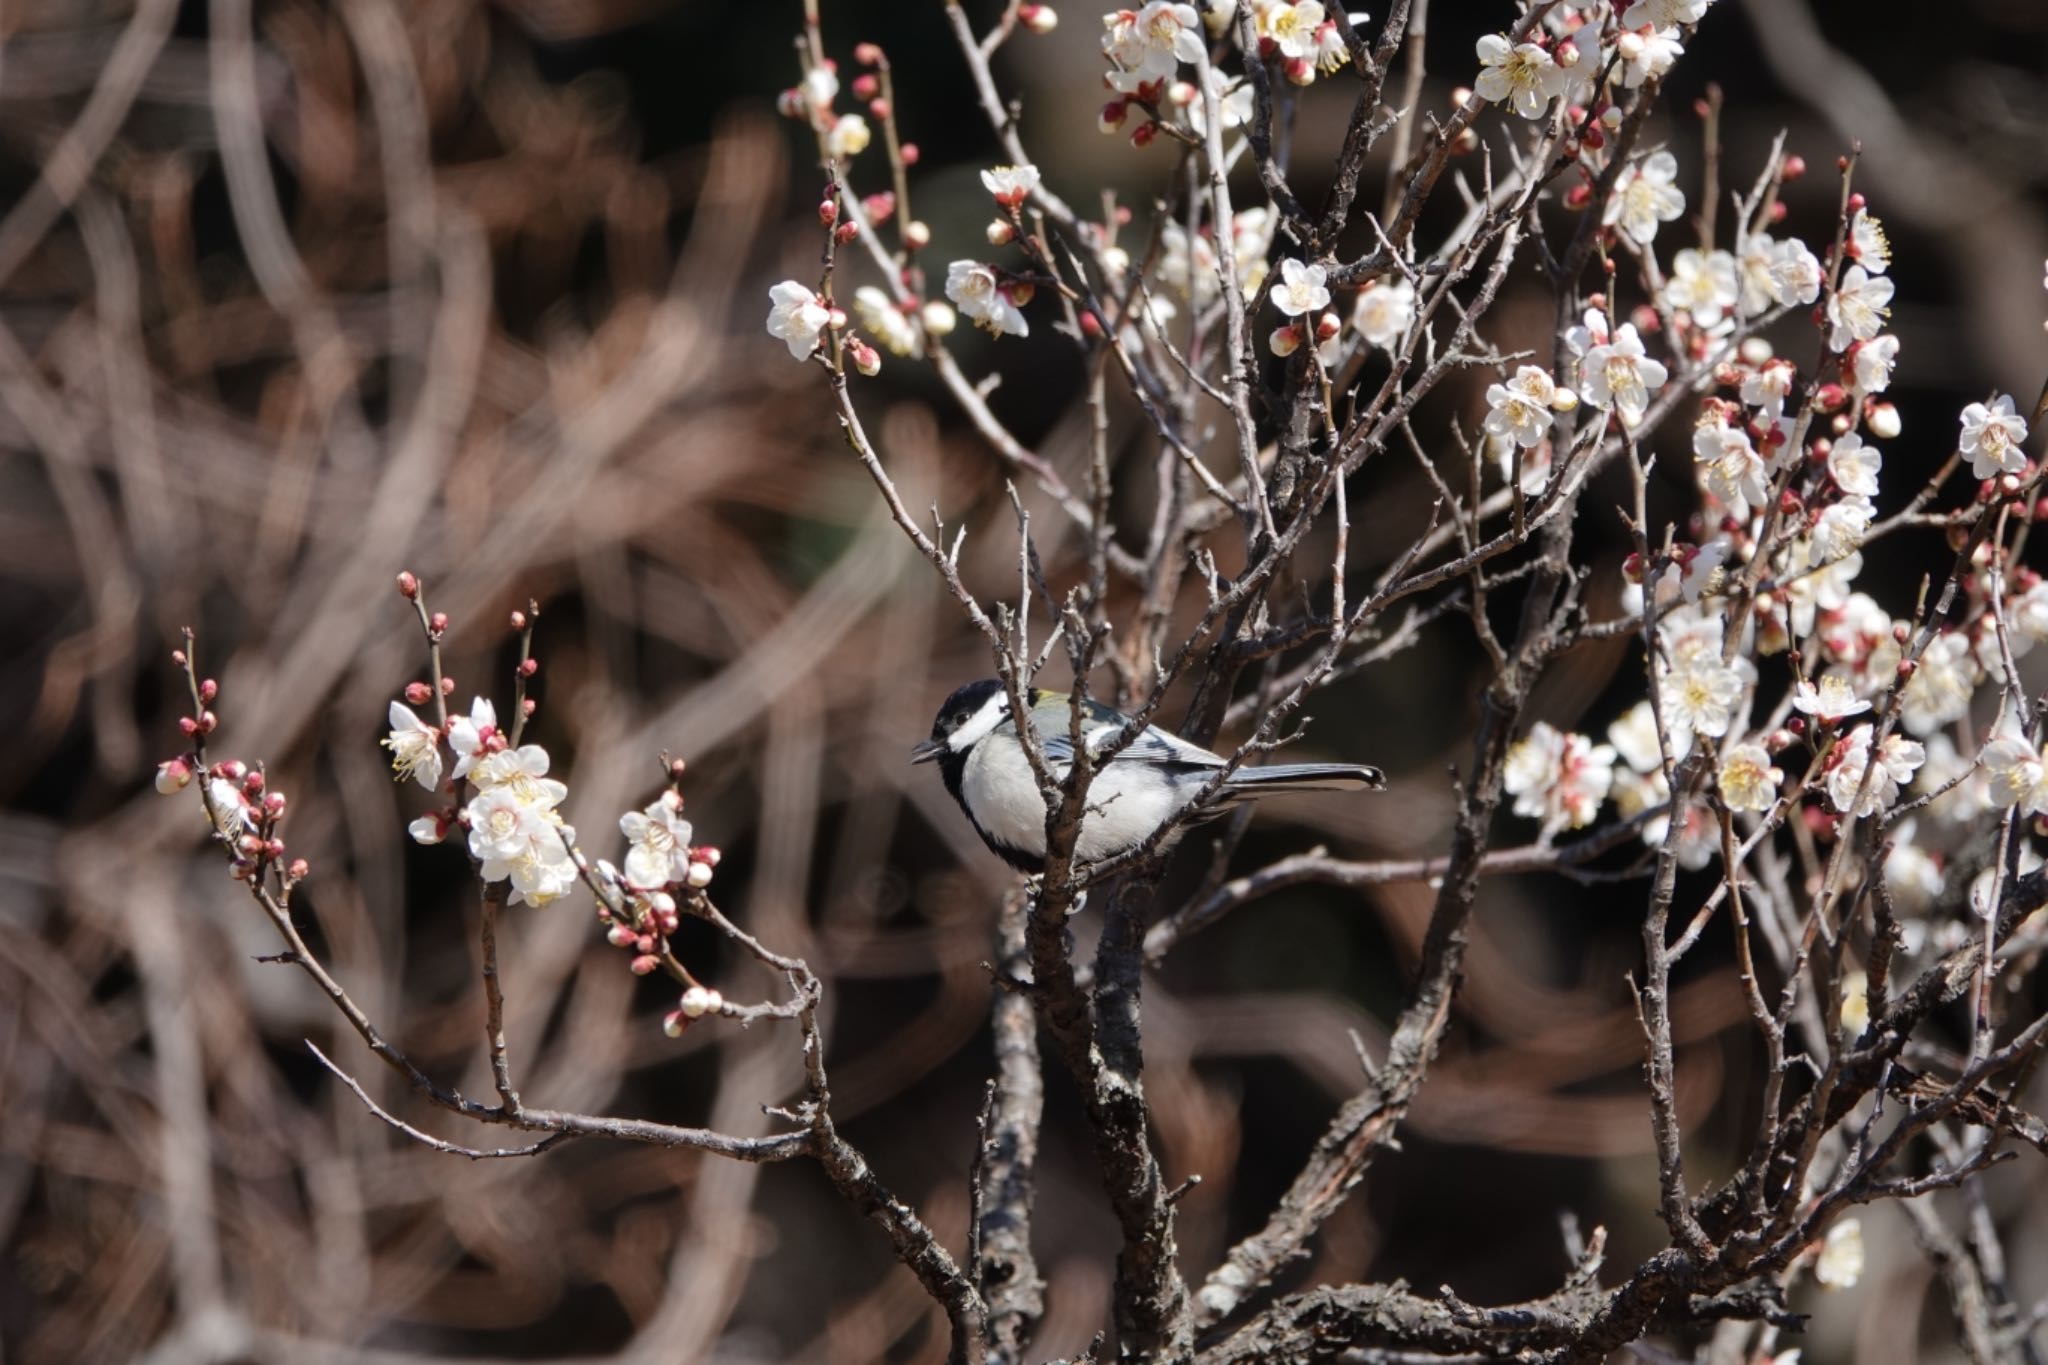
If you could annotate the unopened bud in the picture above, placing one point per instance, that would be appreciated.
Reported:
(916, 235)
(867, 54)
(910, 153)
(866, 86)
(1110, 118)
(528, 667)
(253, 783)
(1000, 233)
(1856, 201)
(447, 687)
(408, 587)
(878, 208)
(1142, 135)
(173, 775)
(673, 1023)
(1040, 19)
(845, 234)
(208, 690)
(828, 211)
(866, 359)
(1793, 168)
(1883, 420)
(1285, 341)
(698, 877)
(298, 870)
(879, 108)
(178, 658)
(273, 805)
(438, 623)
(1300, 71)
(696, 1002)
(619, 936)
(645, 963)
(938, 318)
(1327, 326)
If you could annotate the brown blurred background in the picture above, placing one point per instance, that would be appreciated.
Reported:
(297, 297)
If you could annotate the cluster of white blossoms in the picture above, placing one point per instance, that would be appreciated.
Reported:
(1558, 777)
(515, 831)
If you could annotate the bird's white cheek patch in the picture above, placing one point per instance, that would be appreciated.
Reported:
(999, 788)
(980, 723)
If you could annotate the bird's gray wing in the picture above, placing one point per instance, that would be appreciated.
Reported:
(1153, 745)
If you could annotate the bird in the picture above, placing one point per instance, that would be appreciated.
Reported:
(1136, 792)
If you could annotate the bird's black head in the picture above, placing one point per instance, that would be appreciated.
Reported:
(964, 705)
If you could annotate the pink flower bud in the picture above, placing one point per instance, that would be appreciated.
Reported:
(208, 722)
(1285, 341)
(1142, 136)
(208, 690)
(273, 804)
(866, 359)
(447, 687)
(418, 693)
(1578, 196)
(916, 235)
(1794, 167)
(1000, 233)
(298, 869)
(845, 233)
(1300, 71)
(866, 86)
(708, 854)
(1856, 201)
(187, 726)
(233, 769)
(273, 849)
(178, 658)
(877, 208)
(1112, 115)
(619, 936)
(438, 623)
(1327, 326)
(173, 775)
(868, 54)
(645, 963)
(910, 154)
(879, 108)
(673, 1023)
(408, 586)
(528, 667)
(1039, 19)
(527, 707)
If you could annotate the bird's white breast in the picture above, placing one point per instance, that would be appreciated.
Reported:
(1125, 803)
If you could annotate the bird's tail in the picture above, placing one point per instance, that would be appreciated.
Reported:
(1304, 777)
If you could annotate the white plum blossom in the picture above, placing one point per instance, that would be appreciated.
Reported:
(1941, 686)
(1621, 375)
(1521, 75)
(1766, 387)
(428, 830)
(1558, 777)
(415, 747)
(523, 772)
(1773, 272)
(848, 136)
(1858, 308)
(523, 842)
(660, 843)
(1855, 1003)
(1522, 408)
(1840, 530)
(1703, 284)
(1840, 1262)
(1668, 13)
(1896, 760)
(1992, 437)
(1292, 27)
(1871, 362)
(474, 736)
(2016, 774)
(1010, 185)
(1867, 245)
(2029, 615)
(879, 314)
(1854, 466)
(980, 297)
(1700, 695)
(1912, 875)
(1234, 102)
(1647, 53)
(1645, 196)
(1634, 737)
(1301, 289)
(796, 316)
(1747, 779)
(1831, 701)
(1150, 43)
(1734, 471)
(1384, 312)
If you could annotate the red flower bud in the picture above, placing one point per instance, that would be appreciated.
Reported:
(866, 86)
(910, 153)
(1794, 167)
(408, 587)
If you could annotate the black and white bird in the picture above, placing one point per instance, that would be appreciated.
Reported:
(1150, 782)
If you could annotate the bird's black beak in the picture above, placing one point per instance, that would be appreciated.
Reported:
(927, 751)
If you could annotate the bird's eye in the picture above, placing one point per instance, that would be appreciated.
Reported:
(956, 720)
